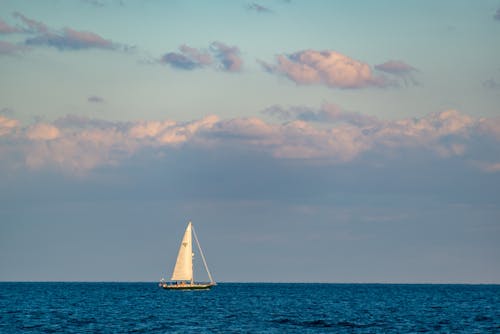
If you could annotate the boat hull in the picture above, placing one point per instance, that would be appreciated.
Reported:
(186, 286)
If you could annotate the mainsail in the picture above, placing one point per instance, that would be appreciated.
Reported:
(183, 270)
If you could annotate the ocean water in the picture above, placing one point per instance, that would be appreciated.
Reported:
(249, 308)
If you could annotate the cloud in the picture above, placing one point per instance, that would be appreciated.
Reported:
(489, 167)
(65, 39)
(103, 3)
(7, 125)
(11, 49)
(32, 26)
(399, 69)
(258, 8)
(76, 145)
(95, 99)
(491, 84)
(71, 39)
(328, 113)
(96, 3)
(229, 56)
(198, 56)
(329, 68)
(7, 111)
(497, 15)
(42, 131)
(190, 58)
(7, 29)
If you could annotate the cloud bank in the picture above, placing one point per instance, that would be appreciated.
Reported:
(76, 145)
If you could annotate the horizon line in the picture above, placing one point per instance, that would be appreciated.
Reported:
(265, 282)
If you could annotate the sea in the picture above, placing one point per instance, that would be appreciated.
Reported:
(62, 307)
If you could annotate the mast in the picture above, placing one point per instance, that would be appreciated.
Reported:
(202, 256)
(192, 253)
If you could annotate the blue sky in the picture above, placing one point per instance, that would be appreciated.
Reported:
(307, 140)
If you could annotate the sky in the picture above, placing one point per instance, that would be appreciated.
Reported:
(307, 141)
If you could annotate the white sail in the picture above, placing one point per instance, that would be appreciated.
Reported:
(183, 270)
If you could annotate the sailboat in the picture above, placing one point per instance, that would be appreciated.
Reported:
(182, 276)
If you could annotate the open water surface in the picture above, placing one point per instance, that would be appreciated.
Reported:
(249, 308)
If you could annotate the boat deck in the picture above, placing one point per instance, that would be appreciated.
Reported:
(186, 286)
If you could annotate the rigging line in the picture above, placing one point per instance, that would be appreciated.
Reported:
(202, 256)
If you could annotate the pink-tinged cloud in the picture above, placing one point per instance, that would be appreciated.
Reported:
(329, 68)
(7, 29)
(188, 58)
(11, 49)
(85, 39)
(229, 56)
(71, 39)
(169, 132)
(400, 69)
(198, 56)
(220, 56)
(32, 26)
(7, 125)
(42, 131)
(77, 145)
(65, 39)
(489, 167)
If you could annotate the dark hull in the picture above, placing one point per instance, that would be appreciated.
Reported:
(186, 286)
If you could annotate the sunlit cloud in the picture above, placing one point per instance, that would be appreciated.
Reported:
(76, 145)
(7, 125)
(329, 68)
(42, 131)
